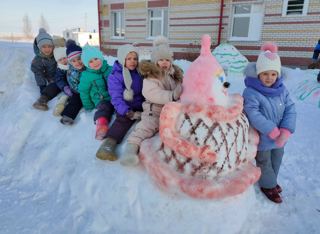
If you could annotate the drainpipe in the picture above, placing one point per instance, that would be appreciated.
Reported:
(220, 22)
(99, 24)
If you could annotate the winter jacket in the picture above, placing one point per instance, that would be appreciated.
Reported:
(116, 88)
(43, 67)
(158, 91)
(92, 86)
(267, 107)
(61, 78)
(317, 47)
(73, 78)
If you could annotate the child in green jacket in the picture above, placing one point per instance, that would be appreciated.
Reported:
(93, 88)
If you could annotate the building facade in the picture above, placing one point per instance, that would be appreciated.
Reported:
(293, 24)
(81, 37)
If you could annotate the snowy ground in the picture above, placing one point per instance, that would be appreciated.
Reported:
(51, 182)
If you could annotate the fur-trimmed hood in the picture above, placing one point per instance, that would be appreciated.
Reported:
(149, 69)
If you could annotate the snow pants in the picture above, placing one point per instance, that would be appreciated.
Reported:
(73, 107)
(104, 109)
(146, 128)
(269, 162)
(119, 128)
(51, 90)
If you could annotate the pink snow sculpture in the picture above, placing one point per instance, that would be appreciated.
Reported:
(205, 148)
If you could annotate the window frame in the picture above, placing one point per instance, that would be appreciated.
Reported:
(120, 18)
(255, 22)
(164, 27)
(304, 9)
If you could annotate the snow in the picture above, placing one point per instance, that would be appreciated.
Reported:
(51, 182)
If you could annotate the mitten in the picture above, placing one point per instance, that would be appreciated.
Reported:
(136, 115)
(283, 138)
(177, 92)
(274, 133)
(67, 90)
(130, 114)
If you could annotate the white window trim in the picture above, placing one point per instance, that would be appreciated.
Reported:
(251, 15)
(161, 18)
(121, 26)
(304, 11)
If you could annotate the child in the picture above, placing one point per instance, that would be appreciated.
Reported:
(61, 78)
(272, 113)
(125, 86)
(316, 52)
(44, 68)
(76, 67)
(162, 84)
(93, 88)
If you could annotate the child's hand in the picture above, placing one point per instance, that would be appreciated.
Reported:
(274, 133)
(67, 90)
(177, 92)
(283, 138)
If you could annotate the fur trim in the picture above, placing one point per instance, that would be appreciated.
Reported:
(149, 70)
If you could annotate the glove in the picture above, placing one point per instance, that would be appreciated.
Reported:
(136, 115)
(283, 138)
(274, 133)
(67, 90)
(177, 92)
(133, 115)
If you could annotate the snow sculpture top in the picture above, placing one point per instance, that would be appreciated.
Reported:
(205, 146)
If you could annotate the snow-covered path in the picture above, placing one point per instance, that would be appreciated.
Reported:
(51, 182)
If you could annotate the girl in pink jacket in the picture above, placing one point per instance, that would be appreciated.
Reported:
(162, 84)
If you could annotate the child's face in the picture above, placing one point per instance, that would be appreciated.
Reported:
(95, 64)
(77, 63)
(63, 61)
(131, 61)
(268, 78)
(47, 49)
(164, 64)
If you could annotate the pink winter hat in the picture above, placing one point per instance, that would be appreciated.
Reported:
(268, 59)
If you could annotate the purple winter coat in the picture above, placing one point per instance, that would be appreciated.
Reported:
(116, 88)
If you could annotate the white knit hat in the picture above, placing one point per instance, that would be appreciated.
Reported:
(59, 52)
(122, 53)
(268, 59)
(161, 49)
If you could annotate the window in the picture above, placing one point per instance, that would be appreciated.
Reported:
(158, 22)
(295, 7)
(247, 22)
(117, 23)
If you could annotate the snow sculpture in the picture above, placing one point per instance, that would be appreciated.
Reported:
(205, 146)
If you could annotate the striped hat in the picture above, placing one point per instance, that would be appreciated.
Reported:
(73, 50)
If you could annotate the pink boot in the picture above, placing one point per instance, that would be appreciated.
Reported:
(101, 128)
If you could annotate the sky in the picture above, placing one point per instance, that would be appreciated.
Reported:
(60, 15)
(51, 181)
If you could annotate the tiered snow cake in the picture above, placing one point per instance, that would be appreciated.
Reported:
(205, 147)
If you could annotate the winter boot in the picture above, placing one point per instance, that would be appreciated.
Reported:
(107, 150)
(101, 128)
(62, 101)
(272, 194)
(279, 189)
(66, 120)
(41, 103)
(130, 155)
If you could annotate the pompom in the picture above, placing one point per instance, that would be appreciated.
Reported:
(269, 46)
(160, 40)
(70, 42)
(42, 30)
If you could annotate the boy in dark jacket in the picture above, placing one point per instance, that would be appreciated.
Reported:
(44, 68)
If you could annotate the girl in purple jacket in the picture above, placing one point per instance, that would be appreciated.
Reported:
(125, 89)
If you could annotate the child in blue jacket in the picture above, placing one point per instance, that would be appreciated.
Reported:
(272, 113)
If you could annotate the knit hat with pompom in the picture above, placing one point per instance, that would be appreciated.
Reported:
(43, 38)
(268, 59)
(161, 49)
